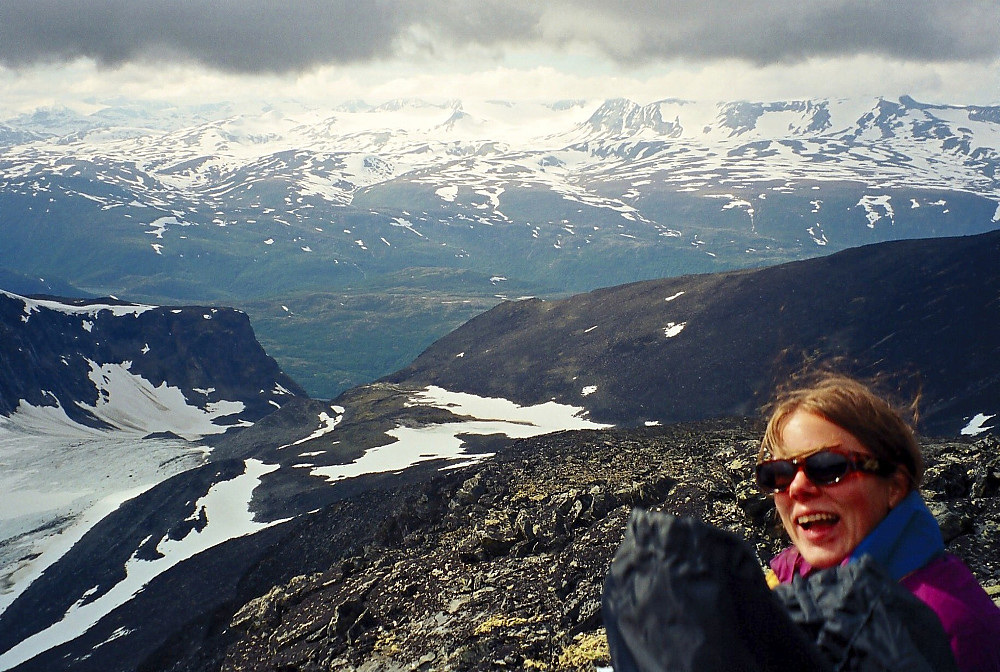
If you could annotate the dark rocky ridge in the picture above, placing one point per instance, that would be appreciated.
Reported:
(500, 566)
(492, 566)
(211, 354)
(927, 307)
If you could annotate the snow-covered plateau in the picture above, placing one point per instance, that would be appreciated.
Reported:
(55, 487)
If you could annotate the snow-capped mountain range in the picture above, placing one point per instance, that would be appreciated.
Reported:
(570, 148)
(209, 205)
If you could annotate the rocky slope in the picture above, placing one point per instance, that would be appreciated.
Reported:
(407, 548)
(500, 566)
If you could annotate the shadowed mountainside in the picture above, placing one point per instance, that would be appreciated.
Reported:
(70, 353)
(705, 346)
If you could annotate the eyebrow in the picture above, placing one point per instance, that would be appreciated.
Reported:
(836, 445)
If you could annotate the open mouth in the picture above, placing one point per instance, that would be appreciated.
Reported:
(817, 519)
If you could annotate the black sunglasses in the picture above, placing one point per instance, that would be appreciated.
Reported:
(825, 467)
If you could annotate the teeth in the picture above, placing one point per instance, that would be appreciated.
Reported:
(806, 521)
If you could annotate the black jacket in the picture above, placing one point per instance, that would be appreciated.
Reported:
(682, 596)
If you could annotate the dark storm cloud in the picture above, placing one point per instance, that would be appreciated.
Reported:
(278, 36)
(778, 31)
(243, 35)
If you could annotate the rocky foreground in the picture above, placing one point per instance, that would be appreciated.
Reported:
(500, 565)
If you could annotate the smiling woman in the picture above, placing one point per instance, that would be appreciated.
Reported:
(844, 469)
(866, 584)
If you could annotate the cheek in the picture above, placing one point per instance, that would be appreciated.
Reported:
(873, 517)
(865, 508)
(783, 505)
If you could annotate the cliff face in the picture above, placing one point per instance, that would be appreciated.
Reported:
(501, 566)
(77, 354)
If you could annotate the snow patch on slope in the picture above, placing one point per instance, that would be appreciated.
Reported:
(91, 310)
(327, 424)
(876, 207)
(443, 441)
(977, 425)
(226, 509)
(132, 404)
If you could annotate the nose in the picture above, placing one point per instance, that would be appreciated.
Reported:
(801, 487)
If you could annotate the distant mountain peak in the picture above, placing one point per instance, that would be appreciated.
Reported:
(621, 116)
(412, 103)
(804, 117)
(356, 105)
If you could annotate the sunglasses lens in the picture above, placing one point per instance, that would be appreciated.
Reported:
(823, 468)
(776, 475)
(826, 467)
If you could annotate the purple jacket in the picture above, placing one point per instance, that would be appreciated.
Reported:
(967, 613)
(942, 581)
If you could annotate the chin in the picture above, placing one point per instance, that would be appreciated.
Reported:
(821, 559)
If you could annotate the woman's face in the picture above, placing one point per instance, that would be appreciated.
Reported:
(826, 522)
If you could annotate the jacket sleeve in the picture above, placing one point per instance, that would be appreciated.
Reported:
(684, 596)
(861, 619)
(968, 615)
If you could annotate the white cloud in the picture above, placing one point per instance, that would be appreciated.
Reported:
(647, 50)
(83, 86)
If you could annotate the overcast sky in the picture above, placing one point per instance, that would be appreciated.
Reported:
(187, 51)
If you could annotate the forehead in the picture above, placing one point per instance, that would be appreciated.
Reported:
(804, 432)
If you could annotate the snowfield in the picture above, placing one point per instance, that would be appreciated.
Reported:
(56, 486)
(131, 403)
(60, 479)
(977, 425)
(225, 507)
(32, 306)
